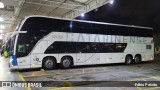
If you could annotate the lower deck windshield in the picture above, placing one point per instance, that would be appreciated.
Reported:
(10, 45)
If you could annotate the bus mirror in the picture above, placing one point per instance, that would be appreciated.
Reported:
(17, 32)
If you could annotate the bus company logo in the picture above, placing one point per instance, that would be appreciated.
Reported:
(6, 84)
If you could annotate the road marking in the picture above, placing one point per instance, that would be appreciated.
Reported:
(154, 77)
(40, 75)
(145, 79)
(62, 88)
(135, 86)
(22, 79)
(68, 84)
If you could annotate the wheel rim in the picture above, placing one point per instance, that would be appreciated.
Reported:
(137, 59)
(66, 63)
(129, 60)
(49, 63)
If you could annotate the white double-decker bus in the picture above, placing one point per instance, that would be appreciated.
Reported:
(41, 41)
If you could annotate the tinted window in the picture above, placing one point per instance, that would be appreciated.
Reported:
(85, 47)
(148, 47)
(129, 31)
(79, 27)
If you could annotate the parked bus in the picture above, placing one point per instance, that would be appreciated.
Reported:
(42, 41)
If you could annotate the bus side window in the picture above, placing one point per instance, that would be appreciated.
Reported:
(120, 47)
(107, 47)
(21, 48)
(148, 47)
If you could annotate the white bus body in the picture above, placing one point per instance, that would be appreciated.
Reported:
(79, 48)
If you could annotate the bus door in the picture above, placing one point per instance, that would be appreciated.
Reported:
(21, 50)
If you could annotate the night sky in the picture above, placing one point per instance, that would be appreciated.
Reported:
(131, 12)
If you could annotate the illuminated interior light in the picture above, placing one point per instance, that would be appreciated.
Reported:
(1, 5)
(82, 15)
(111, 1)
(1, 37)
(1, 19)
(2, 26)
(1, 31)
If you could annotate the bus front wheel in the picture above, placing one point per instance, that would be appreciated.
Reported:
(128, 59)
(66, 62)
(49, 63)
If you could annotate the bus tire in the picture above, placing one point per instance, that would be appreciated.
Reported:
(66, 62)
(128, 59)
(48, 63)
(137, 59)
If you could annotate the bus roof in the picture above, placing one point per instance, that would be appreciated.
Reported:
(89, 21)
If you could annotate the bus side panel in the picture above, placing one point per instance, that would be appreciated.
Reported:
(92, 58)
(24, 62)
(149, 54)
(80, 59)
(133, 48)
(36, 59)
(117, 58)
(40, 47)
(105, 58)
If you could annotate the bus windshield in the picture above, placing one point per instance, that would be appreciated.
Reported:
(36, 29)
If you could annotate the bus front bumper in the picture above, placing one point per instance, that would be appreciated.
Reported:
(12, 67)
